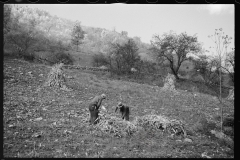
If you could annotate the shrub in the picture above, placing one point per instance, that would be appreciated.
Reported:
(99, 60)
(203, 126)
(58, 57)
(64, 58)
(28, 57)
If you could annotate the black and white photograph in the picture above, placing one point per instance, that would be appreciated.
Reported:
(118, 80)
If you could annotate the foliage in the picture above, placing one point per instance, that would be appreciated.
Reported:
(64, 58)
(146, 67)
(77, 35)
(170, 44)
(124, 33)
(22, 34)
(7, 19)
(204, 126)
(207, 67)
(28, 30)
(99, 60)
(124, 57)
(60, 57)
(230, 64)
(32, 30)
(110, 37)
(231, 94)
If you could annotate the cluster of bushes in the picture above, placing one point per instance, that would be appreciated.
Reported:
(25, 35)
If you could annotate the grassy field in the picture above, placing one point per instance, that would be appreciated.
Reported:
(42, 122)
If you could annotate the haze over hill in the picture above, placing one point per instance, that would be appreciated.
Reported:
(54, 26)
(145, 20)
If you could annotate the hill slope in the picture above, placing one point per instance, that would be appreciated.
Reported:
(42, 122)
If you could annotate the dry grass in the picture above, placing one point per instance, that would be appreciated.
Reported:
(56, 76)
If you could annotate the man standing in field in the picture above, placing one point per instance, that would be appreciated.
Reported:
(94, 107)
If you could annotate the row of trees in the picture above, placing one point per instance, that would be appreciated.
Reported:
(28, 30)
(170, 48)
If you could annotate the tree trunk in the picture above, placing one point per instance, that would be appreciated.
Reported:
(175, 73)
(220, 77)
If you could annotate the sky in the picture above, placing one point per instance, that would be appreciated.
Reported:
(145, 20)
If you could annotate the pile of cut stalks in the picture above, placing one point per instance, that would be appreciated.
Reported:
(120, 128)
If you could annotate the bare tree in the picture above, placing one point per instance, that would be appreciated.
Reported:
(221, 42)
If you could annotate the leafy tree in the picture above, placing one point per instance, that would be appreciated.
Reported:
(207, 67)
(124, 57)
(124, 33)
(77, 35)
(170, 44)
(23, 34)
(63, 57)
(138, 41)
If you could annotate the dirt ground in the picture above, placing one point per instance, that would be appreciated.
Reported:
(45, 122)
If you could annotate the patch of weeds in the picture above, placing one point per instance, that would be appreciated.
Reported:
(217, 118)
(223, 142)
(97, 85)
(109, 87)
(190, 132)
(204, 126)
(229, 131)
(107, 82)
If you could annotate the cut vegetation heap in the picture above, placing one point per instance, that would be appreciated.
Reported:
(169, 82)
(116, 126)
(56, 77)
(120, 128)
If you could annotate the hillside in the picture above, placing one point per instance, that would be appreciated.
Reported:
(47, 28)
(49, 33)
(42, 122)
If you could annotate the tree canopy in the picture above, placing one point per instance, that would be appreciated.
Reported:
(124, 57)
(169, 44)
(77, 35)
